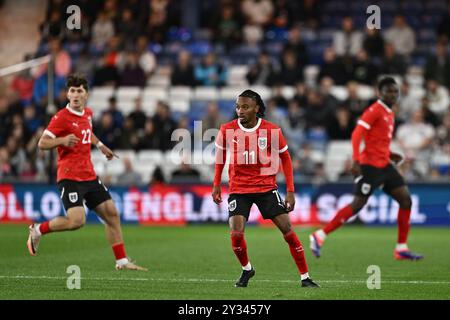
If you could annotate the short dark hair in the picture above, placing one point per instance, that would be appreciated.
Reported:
(385, 81)
(76, 80)
(255, 96)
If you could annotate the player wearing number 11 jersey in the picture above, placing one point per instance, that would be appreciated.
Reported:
(70, 131)
(256, 147)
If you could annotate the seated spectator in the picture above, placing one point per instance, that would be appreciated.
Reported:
(129, 177)
(340, 126)
(146, 58)
(132, 74)
(210, 72)
(213, 118)
(183, 72)
(106, 131)
(329, 100)
(106, 73)
(346, 173)
(54, 27)
(373, 43)
(149, 140)
(164, 126)
(22, 84)
(407, 102)
(291, 72)
(227, 28)
(415, 138)
(102, 31)
(263, 72)
(402, 36)
(364, 71)
(127, 27)
(114, 112)
(392, 63)
(296, 45)
(137, 115)
(185, 173)
(355, 105)
(335, 68)
(443, 131)
(438, 97)
(438, 65)
(443, 29)
(347, 41)
(128, 139)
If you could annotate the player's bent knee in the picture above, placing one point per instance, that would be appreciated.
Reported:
(405, 203)
(75, 224)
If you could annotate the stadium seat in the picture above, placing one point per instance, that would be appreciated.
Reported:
(128, 93)
(180, 92)
(154, 157)
(155, 93)
(206, 93)
(339, 92)
(337, 153)
(179, 105)
(263, 91)
(229, 93)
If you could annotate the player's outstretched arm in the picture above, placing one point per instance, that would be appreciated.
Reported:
(104, 149)
(47, 142)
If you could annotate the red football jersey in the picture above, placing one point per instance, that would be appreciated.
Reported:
(254, 155)
(378, 119)
(74, 163)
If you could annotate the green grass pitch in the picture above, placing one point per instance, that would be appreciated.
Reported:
(196, 262)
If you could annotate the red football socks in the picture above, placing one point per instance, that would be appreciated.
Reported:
(403, 224)
(44, 227)
(239, 247)
(342, 215)
(119, 251)
(297, 252)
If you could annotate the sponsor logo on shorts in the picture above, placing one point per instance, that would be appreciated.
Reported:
(232, 206)
(73, 197)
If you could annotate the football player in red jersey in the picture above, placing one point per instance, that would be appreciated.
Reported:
(372, 168)
(70, 131)
(256, 147)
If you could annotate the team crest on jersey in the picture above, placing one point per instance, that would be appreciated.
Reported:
(262, 142)
(232, 206)
(365, 188)
(73, 197)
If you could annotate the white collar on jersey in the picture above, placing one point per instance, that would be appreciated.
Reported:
(384, 106)
(80, 114)
(251, 129)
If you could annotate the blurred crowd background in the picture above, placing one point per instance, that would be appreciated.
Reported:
(158, 65)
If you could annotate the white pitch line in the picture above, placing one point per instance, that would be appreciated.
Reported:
(223, 280)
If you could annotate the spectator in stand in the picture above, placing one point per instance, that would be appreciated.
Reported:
(85, 64)
(6, 171)
(128, 139)
(213, 119)
(129, 177)
(392, 63)
(164, 126)
(296, 45)
(347, 41)
(330, 101)
(263, 72)
(127, 28)
(210, 72)
(438, 97)
(291, 72)
(102, 31)
(22, 84)
(157, 26)
(316, 113)
(132, 74)
(443, 131)
(308, 13)
(149, 140)
(364, 71)
(340, 126)
(186, 173)
(373, 43)
(137, 115)
(227, 28)
(407, 102)
(402, 36)
(147, 60)
(438, 65)
(106, 132)
(443, 29)
(335, 68)
(115, 113)
(355, 105)
(54, 27)
(415, 138)
(183, 72)
(106, 73)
